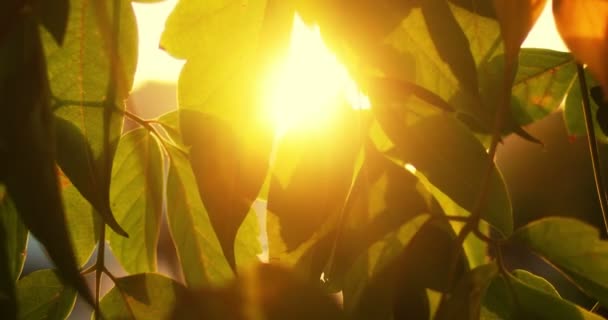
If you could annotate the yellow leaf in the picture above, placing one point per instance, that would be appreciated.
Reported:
(516, 18)
(583, 24)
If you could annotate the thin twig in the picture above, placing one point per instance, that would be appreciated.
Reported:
(593, 149)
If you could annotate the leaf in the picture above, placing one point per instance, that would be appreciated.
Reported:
(310, 179)
(573, 111)
(54, 17)
(8, 300)
(201, 258)
(584, 257)
(136, 195)
(42, 295)
(447, 154)
(536, 282)
(230, 167)
(465, 301)
(83, 224)
(142, 296)
(267, 291)
(583, 24)
(79, 72)
(451, 43)
(15, 236)
(28, 148)
(498, 303)
(516, 19)
(370, 264)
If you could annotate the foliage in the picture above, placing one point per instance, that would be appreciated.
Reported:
(389, 213)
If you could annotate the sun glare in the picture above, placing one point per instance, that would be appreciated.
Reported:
(309, 85)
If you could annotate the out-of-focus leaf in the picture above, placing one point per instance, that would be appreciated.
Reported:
(230, 167)
(370, 264)
(311, 176)
(15, 236)
(201, 258)
(451, 158)
(27, 146)
(601, 117)
(8, 300)
(516, 19)
(583, 24)
(83, 224)
(532, 303)
(584, 257)
(465, 301)
(54, 17)
(142, 296)
(536, 282)
(573, 111)
(42, 295)
(79, 72)
(267, 291)
(136, 195)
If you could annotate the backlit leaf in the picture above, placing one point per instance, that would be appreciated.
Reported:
(532, 303)
(583, 24)
(584, 257)
(142, 296)
(42, 295)
(79, 72)
(573, 111)
(536, 282)
(201, 257)
(136, 200)
(447, 154)
(54, 17)
(83, 224)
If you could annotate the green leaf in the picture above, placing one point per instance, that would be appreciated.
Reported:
(465, 301)
(532, 303)
(28, 148)
(267, 291)
(201, 258)
(79, 72)
(584, 257)
(54, 17)
(230, 167)
(370, 264)
(15, 236)
(136, 195)
(83, 224)
(536, 282)
(142, 296)
(454, 162)
(42, 295)
(573, 111)
(310, 180)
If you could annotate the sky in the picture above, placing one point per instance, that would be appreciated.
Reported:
(156, 65)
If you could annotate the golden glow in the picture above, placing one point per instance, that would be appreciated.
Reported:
(307, 87)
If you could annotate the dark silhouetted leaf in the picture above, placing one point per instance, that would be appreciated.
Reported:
(201, 258)
(136, 200)
(42, 295)
(584, 257)
(54, 17)
(453, 161)
(142, 296)
(8, 300)
(28, 148)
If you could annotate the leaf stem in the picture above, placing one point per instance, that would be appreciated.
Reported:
(593, 149)
(99, 267)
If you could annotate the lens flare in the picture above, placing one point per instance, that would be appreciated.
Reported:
(308, 86)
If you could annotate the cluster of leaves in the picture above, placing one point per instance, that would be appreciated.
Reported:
(400, 209)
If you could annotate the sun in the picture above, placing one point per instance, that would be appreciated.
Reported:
(308, 86)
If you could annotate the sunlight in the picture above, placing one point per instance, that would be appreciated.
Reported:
(310, 84)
